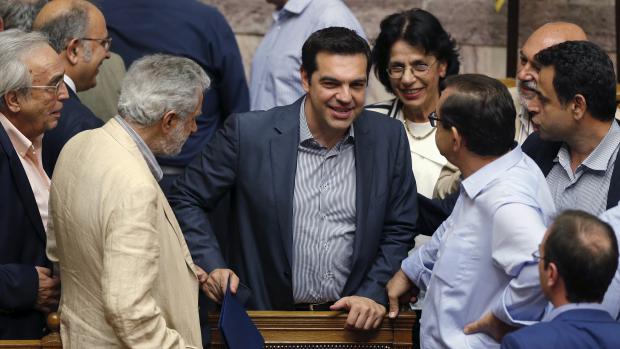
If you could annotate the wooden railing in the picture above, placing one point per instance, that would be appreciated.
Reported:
(51, 341)
(323, 330)
(284, 330)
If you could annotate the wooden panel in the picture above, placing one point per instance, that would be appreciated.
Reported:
(284, 330)
(322, 329)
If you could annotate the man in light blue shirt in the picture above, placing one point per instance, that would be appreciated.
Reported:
(479, 262)
(611, 302)
(275, 78)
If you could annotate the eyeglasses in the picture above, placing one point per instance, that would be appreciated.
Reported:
(51, 89)
(433, 119)
(537, 257)
(418, 69)
(105, 43)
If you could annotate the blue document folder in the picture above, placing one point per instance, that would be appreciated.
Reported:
(237, 328)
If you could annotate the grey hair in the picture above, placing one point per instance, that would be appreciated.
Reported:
(15, 44)
(157, 84)
(66, 27)
(19, 14)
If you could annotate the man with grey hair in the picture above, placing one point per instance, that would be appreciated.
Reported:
(32, 92)
(77, 31)
(121, 252)
(19, 14)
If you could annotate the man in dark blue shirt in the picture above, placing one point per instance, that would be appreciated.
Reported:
(191, 29)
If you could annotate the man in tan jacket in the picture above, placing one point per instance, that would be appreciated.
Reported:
(128, 277)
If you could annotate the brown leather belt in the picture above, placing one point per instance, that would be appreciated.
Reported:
(314, 306)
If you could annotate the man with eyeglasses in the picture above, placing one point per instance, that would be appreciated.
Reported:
(32, 93)
(77, 31)
(576, 262)
(478, 261)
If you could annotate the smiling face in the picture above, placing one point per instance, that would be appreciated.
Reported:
(39, 108)
(418, 92)
(335, 94)
(92, 51)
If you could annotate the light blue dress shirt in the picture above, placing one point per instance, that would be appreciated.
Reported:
(479, 259)
(275, 78)
(611, 302)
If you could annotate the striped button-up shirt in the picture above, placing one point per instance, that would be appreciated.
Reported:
(323, 216)
(586, 188)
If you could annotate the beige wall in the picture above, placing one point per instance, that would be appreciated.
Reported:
(478, 29)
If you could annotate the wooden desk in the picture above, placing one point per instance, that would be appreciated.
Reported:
(322, 330)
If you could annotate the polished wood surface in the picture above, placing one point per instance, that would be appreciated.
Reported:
(322, 329)
(51, 341)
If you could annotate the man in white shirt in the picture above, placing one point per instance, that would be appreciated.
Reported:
(478, 261)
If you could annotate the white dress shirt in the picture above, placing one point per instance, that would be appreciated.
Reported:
(479, 259)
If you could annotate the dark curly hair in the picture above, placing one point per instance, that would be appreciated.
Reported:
(582, 67)
(418, 28)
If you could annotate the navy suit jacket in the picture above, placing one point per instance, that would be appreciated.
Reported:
(22, 247)
(191, 29)
(254, 157)
(574, 329)
(75, 117)
(543, 153)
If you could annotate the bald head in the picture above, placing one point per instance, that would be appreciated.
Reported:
(546, 36)
(77, 31)
(552, 34)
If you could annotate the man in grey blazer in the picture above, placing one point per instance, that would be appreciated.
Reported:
(323, 196)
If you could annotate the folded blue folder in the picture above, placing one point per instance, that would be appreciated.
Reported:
(237, 328)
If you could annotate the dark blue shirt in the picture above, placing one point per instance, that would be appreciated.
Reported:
(190, 29)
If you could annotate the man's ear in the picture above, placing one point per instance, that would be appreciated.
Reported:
(553, 276)
(578, 107)
(72, 51)
(305, 79)
(457, 139)
(168, 121)
(11, 101)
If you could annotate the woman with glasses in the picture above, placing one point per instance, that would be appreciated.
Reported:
(412, 55)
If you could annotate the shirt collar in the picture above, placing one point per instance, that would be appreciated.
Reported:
(296, 6)
(555, 312)
(304, 130)
(20, 142)
(600, 157)
(474, 184)
(69, 82)
(144, 149)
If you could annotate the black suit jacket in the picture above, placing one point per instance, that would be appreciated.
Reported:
(255, 157)
(75, 117)
(543, 153)
(22, 246)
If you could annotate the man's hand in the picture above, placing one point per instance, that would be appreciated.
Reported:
(48, 293)
(490, 325)
(364, 313)
(215, 285)
(400, 290)
(201, 275)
